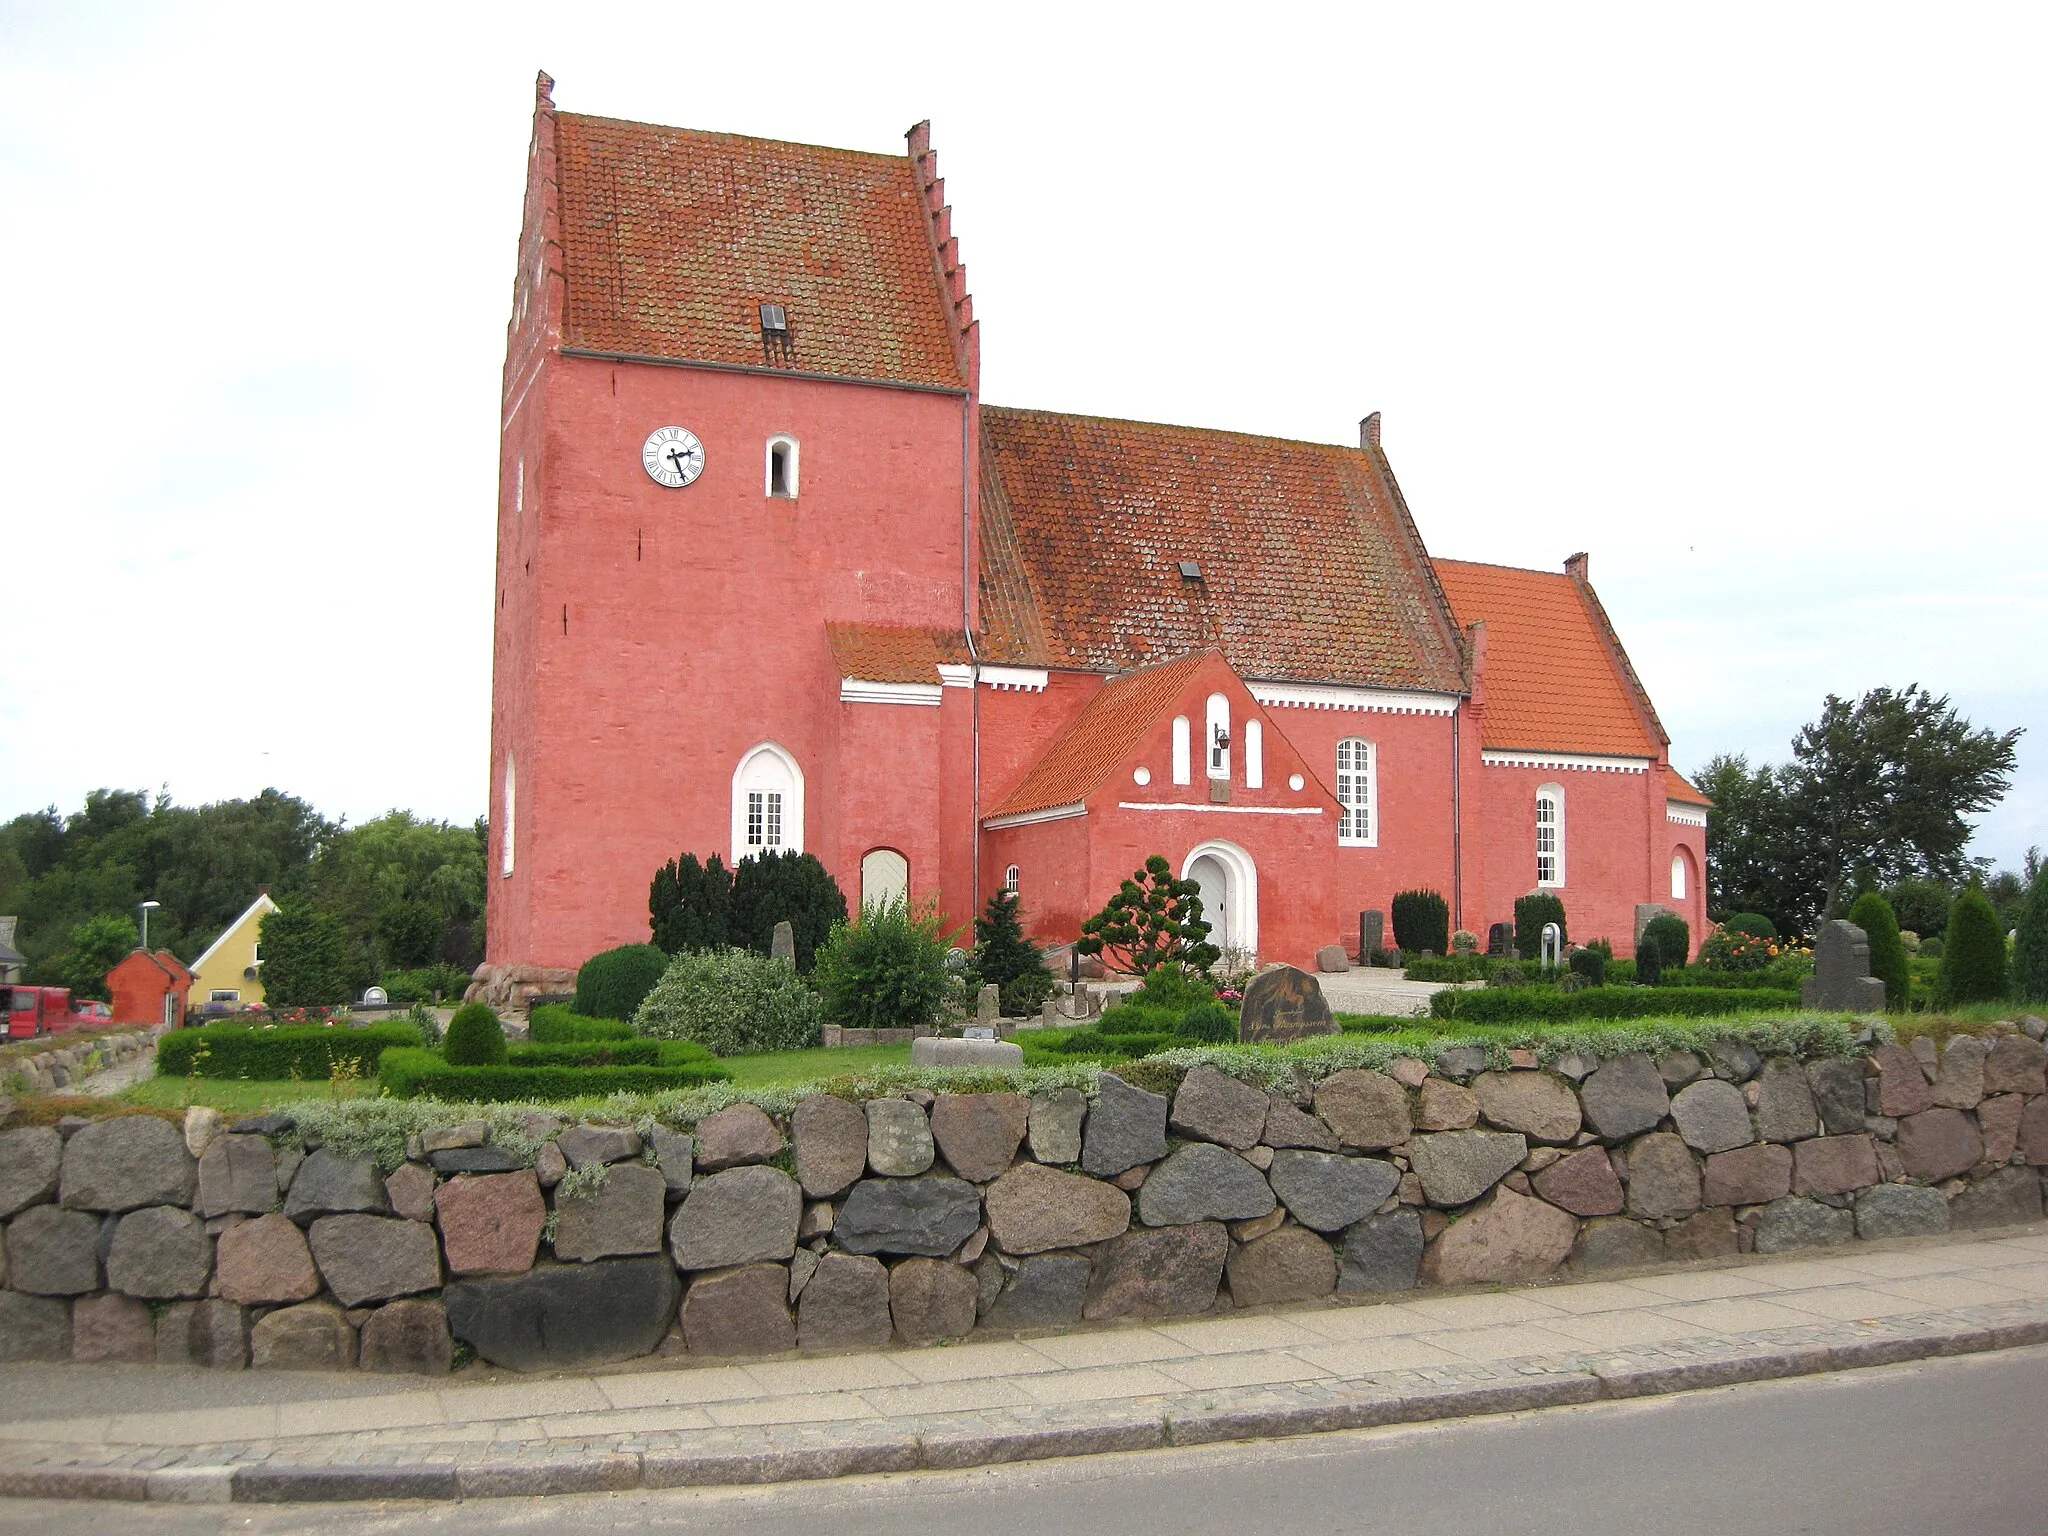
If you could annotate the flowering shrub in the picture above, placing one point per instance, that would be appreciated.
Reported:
(1733, 950)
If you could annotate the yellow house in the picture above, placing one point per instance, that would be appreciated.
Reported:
(229, 976)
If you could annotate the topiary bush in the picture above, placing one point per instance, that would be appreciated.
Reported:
(1531, 913)
(1422, 921)
(1973, 963)
(1753, 923)
(1874, 915)
(1207, 1024)
(2030, 949)
(475, 1038)
(611, 984)
(1590, 964)
(557, 1024)
(733, 1003)
(1930, 949)
(1668, 933)
(793, 888)
(309, 1053)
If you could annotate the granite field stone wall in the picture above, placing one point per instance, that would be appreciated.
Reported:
(919, 1217)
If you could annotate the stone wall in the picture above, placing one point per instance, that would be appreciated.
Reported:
(66, 1061)
(923, 1217)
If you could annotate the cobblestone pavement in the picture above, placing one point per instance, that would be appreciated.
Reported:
(1375, 989)
(1196, 1381)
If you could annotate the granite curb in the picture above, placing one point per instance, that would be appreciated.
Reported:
(263, 1473)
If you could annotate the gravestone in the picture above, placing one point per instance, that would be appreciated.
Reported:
(783, 945)
(1372, 935)
(1283, 1004)
(989, 1006)
(1841, 981)
(376, 997)
(1500, 940)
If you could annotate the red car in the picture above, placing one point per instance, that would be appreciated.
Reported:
(49, 1010)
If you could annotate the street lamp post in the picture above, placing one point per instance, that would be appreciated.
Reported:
(146, 908)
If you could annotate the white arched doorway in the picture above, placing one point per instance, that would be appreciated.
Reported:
(1230, 893)
(884, 878)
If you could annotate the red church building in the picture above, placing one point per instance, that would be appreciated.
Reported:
(771, 576)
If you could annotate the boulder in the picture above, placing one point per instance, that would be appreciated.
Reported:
(1795, 1222)
(1624, 1098)
(2034, 1132)
(979, 1133)
(1367, 1110)
(313, 1336)
(1960, 1083)
(899, 1138)
(1900, 1210)
(740, 1216)
(1838, 1094)
(1327, 1192)
(126, 1163)
(1381, 1253)
(1457, 1167)
(1678, 1068)
(1785, 1110)
(742, 1311)
(407, 1338)
(1047, 1291)
(34, 1327)
(266, 1261)
(1442, 1105)
(938, 1051)
(1998, 1121)
(1126, 1126)
(1054, 1124)
(930, 1216)
(491, 1223)
(1938, 1144)
(160, 1253)
(373, 1258)
(1213, 1106)
(845, 1305)
(1540, 1106)
(1663, 1179)
(2005, 1198)
(1901, 1083)
(567, 1315)
(112, 1328)
(2016, 1064)
(1292, 1264)
(1749, 1175)
(675, 1156)
(1290, 1126)
(476, 1160)
(586, 1146)
(1583, 1183)
(1712, 1116)
(1460, 1061)
(735, 1137)
(1507, 1238)
(30, 1161)
(1615, 1242)
(1331, 959)
(54, 1252)
(326, 1185)
(409, 1192)
(621, 1216)
(1158, 1272)
(211, 1333)
(831, 1145)
(1033, 1208)
(930, 1300)
(1834, 1165)
(1708, 1234)
(1202, 1182)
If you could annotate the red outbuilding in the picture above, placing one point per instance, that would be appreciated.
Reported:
(149, 987)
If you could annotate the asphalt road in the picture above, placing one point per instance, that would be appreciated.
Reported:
(1935, 1447)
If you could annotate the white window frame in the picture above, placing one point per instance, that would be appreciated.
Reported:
(1216, 737)
(224, 994)
(1358, 793)
(767, 769)
(510, 813)
(1679, 885)
(1554, 795)
(1254, 755)
(1010, 879)
(1181, 753)
(780, 440)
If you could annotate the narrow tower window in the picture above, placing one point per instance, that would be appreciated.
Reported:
(1180, 750)
(1254, 755)
(1550, 835)
(782, 466)
(1357, 794)
(506, 814)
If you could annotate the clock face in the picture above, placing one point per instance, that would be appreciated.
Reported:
(672, 456)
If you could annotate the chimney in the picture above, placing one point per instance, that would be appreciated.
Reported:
(1369, 431)
(262, 890)
(1575, 566)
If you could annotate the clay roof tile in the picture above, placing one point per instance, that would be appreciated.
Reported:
(1102, 737)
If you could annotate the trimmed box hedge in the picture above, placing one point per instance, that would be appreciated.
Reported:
(611, 1053)
(414, 1074)
(555, 1023)
(307, 1051)
(1544, 1005)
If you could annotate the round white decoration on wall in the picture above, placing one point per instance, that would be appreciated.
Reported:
(1295, 781)
(1141, 775)
(672, 456)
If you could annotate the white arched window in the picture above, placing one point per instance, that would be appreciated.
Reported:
(1550, 835)
(767, 803)
(1216, 736)
(1358, 795)
(1678, 877)
(506, 813)
(1254, 755)
(1010, 879)
(1180, 750)
(782, 465)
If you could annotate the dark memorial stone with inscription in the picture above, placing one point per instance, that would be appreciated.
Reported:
(1372, 935)
(1283, 1004)
(1500, 939)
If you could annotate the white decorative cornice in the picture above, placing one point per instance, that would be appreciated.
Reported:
(1014, 679)
(1203, 808)
(1032, 818)
(1582, 761)
(954, 674)
(854, 690)
(1685, 815)
(1376, 701)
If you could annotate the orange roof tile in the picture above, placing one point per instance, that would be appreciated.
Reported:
(889, 653)
(1311, 569)
(672, 238)
(1102, 736)
(1556, 680)
(1678, 787)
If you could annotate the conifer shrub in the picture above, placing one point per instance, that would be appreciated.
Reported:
(689, 905)
(1590, 964)
(611, 983)
(1005, 956)
(1670, 936)
(475, 1038)
(733, 1003)
(1531, 913)
(1880, 925)
(1930, 949)
(1207, 1024)
(1153, 920)
(1973, 963)
(1422, 921)
(2030, 949)
(784, 887)
(1755, 924)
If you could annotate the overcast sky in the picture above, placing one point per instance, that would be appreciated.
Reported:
(1747, 300)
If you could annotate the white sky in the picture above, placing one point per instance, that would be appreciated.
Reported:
(1747, 300)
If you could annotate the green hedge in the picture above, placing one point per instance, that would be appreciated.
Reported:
(1519, 1005)
(308, 1052)
(611, 1053)
(412, 1074)
(1091, 1045)
(557, 1023)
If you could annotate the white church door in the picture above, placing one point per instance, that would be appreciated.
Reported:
(884, 877)
(1230, 893)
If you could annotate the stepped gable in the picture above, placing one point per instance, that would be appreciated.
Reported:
(1311, 568)
(673, 238)
(1557, 679)
(1104, 734)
